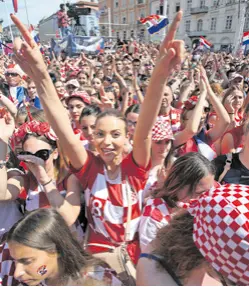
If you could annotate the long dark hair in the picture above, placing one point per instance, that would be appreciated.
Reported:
(45, 229)
(186, 171)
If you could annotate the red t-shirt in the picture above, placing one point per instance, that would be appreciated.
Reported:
(107, 203)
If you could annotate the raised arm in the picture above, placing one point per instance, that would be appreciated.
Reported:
(222, 124)
(171, 54)
(9, 189)
(28, 56)
(8, 104)
(193, 122)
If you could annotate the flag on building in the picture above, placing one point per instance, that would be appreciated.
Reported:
(155, 23)
(245, 40)
(204, 42)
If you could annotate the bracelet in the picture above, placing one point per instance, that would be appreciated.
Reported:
(47, 182)
(231, 113)
(2, 164)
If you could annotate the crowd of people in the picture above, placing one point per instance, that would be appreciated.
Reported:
(124, 169)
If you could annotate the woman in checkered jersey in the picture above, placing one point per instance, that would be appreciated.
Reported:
(189, 176)
(113, 185)
(210, 240)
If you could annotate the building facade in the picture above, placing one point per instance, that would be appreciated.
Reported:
(220, 21)
(124, 15)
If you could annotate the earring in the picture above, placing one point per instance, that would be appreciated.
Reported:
(42, 270)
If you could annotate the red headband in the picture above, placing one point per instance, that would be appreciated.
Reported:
(33, 127)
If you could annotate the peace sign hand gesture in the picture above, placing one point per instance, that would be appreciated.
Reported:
(27, 54)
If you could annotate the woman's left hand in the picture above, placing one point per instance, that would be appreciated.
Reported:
(36, 166)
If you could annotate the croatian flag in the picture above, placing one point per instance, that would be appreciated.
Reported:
(155, 23)
(205, 43)
(245, 38)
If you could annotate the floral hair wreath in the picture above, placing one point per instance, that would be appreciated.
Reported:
(32, 127)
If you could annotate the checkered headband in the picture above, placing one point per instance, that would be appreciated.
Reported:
(162, 130)
(221, 230)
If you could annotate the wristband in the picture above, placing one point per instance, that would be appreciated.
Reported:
(231, 113)
(47, 182)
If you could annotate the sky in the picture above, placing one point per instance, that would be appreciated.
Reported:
(37, 9)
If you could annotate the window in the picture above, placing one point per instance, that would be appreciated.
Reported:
(124, 35)
(116, 4)
(199, 25)
(187, 25)
(132, 17)
(229, 2)
(117, 35)
(202, 3)
(142, 33)
(124, 20)
(157, 12)
(189, 4)
(178, 7)
(213, 24)
(246, 26)
(229, 22)
(215, 3)
(132, 34)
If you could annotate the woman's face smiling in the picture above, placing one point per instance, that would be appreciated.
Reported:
(110, 138)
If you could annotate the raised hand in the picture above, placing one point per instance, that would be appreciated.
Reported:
(36, 166)
(7, 126)
(171, 51)
(27, 54)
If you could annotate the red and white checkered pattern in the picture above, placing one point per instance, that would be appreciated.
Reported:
(221, 230)
(107, 202)
(162, 130)
(191, 102)
(173, 118)
(7, 267)
(156, 214)
(83, 95)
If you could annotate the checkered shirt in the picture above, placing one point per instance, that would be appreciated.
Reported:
(156, 214)
(7, 267)
(107, 201)
(221, 230)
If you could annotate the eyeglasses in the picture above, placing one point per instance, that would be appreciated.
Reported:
(42, 154)
(131, 123)
(12, 75)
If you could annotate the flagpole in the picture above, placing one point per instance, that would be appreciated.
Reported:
(7, 13)
(27, 14)
(165, 4)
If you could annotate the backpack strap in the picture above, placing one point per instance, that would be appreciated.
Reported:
(227, 166)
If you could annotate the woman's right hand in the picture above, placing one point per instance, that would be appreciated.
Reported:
(7, 126)
(228, 104)
(27, 54)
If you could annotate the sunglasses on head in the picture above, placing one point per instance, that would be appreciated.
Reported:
(43, 154)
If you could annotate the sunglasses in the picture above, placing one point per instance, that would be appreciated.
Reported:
(43, 154)
(11, 75)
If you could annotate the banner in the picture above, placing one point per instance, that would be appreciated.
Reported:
(15, 5)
